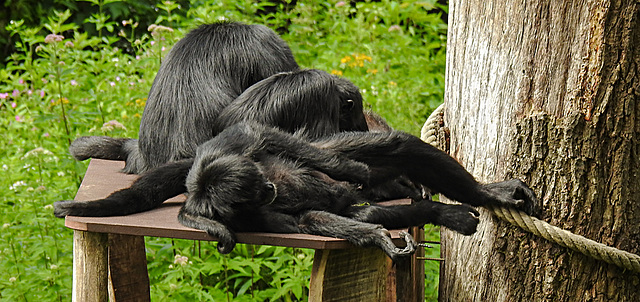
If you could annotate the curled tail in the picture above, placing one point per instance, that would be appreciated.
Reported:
(104, 147)
(146, 193)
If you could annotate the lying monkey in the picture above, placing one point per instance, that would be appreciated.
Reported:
(254, 178)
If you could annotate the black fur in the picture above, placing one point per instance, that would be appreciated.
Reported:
(204, 72)
(311, 103)
(255, 178)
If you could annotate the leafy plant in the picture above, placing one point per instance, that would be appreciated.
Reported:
(63, 81)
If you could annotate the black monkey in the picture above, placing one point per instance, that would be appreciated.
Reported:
(204, 72)
(256, 178)
(308, 102)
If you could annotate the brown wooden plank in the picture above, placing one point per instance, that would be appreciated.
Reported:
(103, 178)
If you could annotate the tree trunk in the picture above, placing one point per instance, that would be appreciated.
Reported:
(548, 92)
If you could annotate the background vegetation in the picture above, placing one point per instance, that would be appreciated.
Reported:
(71, 74)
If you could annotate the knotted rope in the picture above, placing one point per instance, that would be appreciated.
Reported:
(539, 227)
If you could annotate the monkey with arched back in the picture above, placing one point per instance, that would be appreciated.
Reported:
(252, 177)
(203, 72)
(308, 102)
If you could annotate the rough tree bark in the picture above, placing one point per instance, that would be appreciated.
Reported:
(548, 92)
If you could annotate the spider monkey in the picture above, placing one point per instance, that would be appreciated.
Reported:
(202, 74)
(253, 177)
(308, 102)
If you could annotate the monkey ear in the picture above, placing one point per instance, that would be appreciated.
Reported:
(226, 238)
(348, 105)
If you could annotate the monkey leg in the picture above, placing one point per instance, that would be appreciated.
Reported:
(146, 193)
(460, 218)
(357, 232)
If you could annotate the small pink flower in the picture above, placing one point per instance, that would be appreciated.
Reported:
(21, 81)
(51, 38)
(46, 134)
(4, 95)
(68, 44)
(163, 48)
(137, 57)
(73, 83)
(394, 28)
(113, 124)
(14, 105)
(41, 93)
(341, 3)
(153, 42)
(29, 92)
(113, 84)
(18, 118)
(15, 93)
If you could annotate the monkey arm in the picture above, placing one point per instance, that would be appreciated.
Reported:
(333, 164)
(226, 238)
(390, 155)
(253, 140)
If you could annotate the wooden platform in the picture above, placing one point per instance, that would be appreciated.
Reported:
(103, 177)
(116, 245)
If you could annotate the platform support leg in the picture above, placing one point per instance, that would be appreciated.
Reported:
(358, 274)
(90, 267)
(128, 275)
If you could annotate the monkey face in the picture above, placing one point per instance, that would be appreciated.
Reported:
(351, 112)
(228, 185)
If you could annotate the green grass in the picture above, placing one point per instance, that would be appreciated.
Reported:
(53, 91)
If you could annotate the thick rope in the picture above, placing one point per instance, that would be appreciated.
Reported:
(539, 227)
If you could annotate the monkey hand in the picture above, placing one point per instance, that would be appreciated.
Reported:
(348, 170)
(513, 193)
(460, 218)
(393, 251)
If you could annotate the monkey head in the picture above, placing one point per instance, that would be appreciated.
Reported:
(352, 117)
(224, 186)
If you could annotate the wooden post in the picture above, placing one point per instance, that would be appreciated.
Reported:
(128, 275)
(358, 274)
(89, 267)
(409, 272)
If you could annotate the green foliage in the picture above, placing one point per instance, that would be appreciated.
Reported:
(63, 81)
(94, 17)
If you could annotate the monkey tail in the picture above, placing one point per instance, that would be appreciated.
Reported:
(111, 148)
(146, 193)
